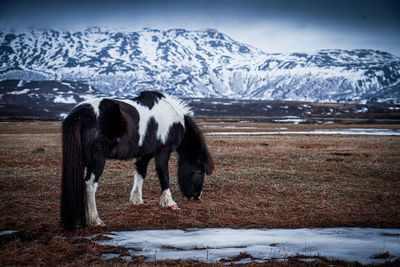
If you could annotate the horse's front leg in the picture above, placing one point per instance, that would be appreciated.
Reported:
(138, 177)
(166, 200)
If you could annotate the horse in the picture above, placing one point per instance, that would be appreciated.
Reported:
(151, 125)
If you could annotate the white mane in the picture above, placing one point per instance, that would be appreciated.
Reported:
(178, 105)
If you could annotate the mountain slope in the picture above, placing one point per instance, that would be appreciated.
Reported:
(197, 64)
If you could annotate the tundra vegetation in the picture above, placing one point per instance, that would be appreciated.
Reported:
(260, 181)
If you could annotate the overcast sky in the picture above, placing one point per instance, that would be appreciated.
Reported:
(273, 26)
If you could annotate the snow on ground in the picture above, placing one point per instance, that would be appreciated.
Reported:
(63, 115)
(228, 127)
(294, 120)
(361, 110)
(65, 100)
(7, 232)
(20, 92)
(354, 131)
(213, 244)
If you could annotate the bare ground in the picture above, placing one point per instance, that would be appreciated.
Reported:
(289, 181)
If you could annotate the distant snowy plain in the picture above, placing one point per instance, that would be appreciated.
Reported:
(355, 131)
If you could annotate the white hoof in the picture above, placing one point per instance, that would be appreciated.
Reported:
(166, 200)
(96, 222)
(136, 193)
(136, 199)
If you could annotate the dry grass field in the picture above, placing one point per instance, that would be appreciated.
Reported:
(260, 181)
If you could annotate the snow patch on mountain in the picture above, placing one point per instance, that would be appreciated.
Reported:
(196, 64)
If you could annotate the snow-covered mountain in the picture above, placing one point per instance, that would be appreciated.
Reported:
(196, 64)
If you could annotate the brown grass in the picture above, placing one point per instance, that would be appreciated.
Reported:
(286, 181)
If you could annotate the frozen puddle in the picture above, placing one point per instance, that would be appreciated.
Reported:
(213, 244)
(355, 131)
(7, 232)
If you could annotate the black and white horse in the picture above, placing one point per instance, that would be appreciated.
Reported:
(150, 125)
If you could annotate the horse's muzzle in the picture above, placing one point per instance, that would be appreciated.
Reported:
(197, 196)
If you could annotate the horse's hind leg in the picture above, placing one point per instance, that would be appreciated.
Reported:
(166, 200)
(93, 174)
(92, 216)
(138, 176)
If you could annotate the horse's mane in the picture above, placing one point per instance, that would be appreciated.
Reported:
(178, 105)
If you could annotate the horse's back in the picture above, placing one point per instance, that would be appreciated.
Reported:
(133, 128)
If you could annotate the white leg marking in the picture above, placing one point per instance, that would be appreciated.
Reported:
(92, 216)
(136, 193)
(166, 200)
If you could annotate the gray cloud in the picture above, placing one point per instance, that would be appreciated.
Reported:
(279, 25)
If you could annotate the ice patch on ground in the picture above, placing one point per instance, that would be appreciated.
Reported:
(108, 256)
(228, 127)
(354, 131)
(214, 244)
(63, 115)
(293, 120)
(7, 232)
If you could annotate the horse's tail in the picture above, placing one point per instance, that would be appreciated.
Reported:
(73, 211)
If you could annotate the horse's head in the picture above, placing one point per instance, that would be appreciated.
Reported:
(191, 176)
(194, 161)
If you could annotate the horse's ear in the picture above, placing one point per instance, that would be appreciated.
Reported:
(194, 148)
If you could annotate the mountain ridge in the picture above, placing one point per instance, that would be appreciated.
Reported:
(197, 64)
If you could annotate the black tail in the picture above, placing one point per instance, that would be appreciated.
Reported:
(73, 211)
